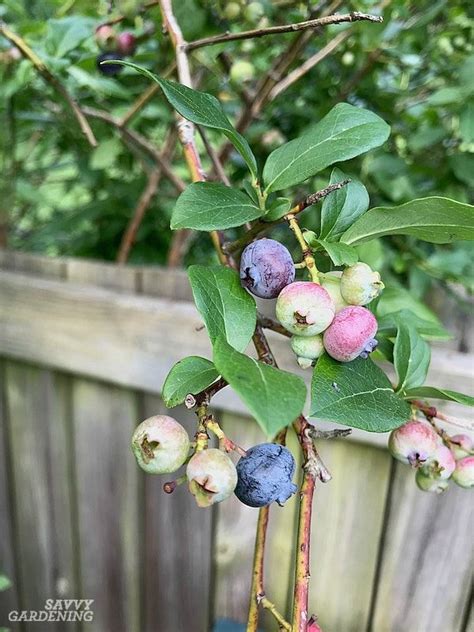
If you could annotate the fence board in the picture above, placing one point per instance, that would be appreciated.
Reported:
(8, 598)
(134, 340)
(108, 487)
(426, 561)
(37, 404)
(178, 540)
(347, 516)
(235, 535)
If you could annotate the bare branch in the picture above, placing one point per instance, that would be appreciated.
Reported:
(354, 16)
(139, 141)
(48, 76)
(299, 72)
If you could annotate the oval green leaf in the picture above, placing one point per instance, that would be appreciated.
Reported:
(190, 375)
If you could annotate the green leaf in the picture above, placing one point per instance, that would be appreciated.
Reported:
(432, 392)
(200, 108)
(340, 254)
(212, 206)
(190, 375)
(274, 397)
(356, 394)
(390, 323)
(394, 299)
(466, 123)
(435, 219)
(227, 309)
(278, 209)
(342, 207)
(412, 357)
(344, 133)
(5, 583)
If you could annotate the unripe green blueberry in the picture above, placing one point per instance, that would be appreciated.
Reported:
(351, 334)
(160, 445)
(212, 476)
(360, 285)
(413, 443)
(307, 349)
(331, 282)
(254, 11)
(461, 446)
(428, 484)
(348, 58)
(463, 475)
(304, 308)
(441, 464)
(106, 38)
(242, 71)
(231, 10)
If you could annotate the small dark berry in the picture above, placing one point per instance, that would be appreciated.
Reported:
(108, 69)
(264, 475)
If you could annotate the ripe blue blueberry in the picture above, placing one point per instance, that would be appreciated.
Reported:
(264, 475)
(108, 69)
(266, 267)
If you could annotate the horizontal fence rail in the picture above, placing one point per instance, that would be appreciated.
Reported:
(84, 349)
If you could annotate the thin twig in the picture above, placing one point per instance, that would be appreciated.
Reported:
(141, 142)
(299, 72)
(48, 76)
(144, 202)
(354, 16)
(261, 226)
(279, 618)
(269, 323)
(217, 164)
(185, 128)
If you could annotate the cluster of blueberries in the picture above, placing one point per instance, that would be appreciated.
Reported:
(113, 46)
(264, 475)
(327, 316)
(437, 459)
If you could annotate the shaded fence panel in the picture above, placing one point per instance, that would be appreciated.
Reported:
(84, 348)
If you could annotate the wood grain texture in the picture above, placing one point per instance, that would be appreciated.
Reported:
(177, 548)
(427, 559)
(108, 486)
(134, 340)
(8, 598)
(107, 491)
(347, 521)
(235, 535)
(37, 404)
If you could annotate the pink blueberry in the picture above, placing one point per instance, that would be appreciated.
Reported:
(351, 334)
(463, 475)
(413, 443)
(429, 484)
(212, 476)
(461, 446)
(160, 444)
(441, 464)
(126, 43)
(105, 37)
(304, 308)
(360, 285)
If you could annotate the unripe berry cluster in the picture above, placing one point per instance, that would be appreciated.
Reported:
(113, 46)
(263, 474)
(437, 459)
(328, 316)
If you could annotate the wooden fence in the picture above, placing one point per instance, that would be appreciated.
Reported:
(84, 349)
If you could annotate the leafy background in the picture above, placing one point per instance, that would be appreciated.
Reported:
(60, 197)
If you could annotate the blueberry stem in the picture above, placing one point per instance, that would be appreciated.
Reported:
(270, 606)
(306, 252)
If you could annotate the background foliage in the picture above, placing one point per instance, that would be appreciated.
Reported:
(415, 70)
